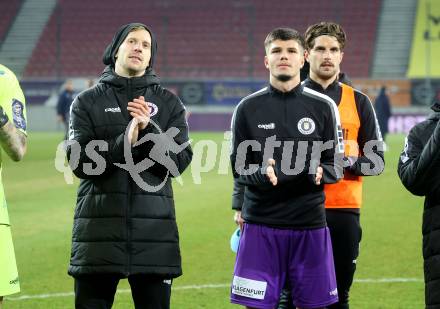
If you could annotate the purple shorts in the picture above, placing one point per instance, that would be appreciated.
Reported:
(268, 257)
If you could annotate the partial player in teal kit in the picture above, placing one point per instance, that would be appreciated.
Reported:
(13, 143)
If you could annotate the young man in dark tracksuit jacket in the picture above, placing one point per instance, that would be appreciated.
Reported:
(124, 224)
(419, 170)
(325, 42)
(283, 151)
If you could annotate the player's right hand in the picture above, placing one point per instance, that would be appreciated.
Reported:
(238, 219)
(270, 172)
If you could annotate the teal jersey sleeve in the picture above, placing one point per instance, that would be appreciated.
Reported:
(12, 99)
(13, 103)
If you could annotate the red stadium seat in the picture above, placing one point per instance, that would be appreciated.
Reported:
(200, 38)
(9, 10)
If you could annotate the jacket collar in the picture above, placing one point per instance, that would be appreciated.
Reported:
(110, 77)
(295, 91)
(316, 86)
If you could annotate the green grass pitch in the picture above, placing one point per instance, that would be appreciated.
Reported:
(41, 209)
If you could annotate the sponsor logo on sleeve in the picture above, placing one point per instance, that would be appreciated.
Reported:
(18, 114)
(249, 288)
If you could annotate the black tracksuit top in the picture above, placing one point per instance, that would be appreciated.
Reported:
(293, 125)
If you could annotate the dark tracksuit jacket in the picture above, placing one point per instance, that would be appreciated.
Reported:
(419, 170)
(285, 127)
(368, 131)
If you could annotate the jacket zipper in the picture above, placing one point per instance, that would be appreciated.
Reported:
(129, 199)
(285, 103)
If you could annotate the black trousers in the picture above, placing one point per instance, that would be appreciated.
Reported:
(346, 234)
(98, 291)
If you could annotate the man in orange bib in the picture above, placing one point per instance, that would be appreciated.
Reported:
(364, 147)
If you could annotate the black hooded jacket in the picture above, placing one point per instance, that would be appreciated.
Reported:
(119, 226)
(419, 170)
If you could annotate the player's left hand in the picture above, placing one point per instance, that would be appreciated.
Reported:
(140, 111)
(318, 176)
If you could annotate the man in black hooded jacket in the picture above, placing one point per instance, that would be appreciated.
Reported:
(418, 169)
(124, 222)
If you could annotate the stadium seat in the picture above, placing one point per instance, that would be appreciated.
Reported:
(200, 39)
(9, 9)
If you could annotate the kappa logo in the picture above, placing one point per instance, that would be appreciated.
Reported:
(14, 281)
(306, 126)
(153, 108)
(112, 110)
(267, 126)
(334, 292)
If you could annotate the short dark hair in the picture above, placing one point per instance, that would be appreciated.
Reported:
(284, 34)
(325, 28)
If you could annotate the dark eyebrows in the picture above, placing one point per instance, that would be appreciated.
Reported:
(277, 48)
(320, 47)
